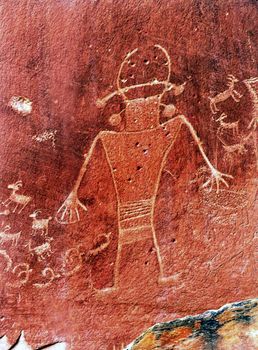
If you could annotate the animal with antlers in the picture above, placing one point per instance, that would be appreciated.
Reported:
(19, 200)
(5, 237)
(234, 150)
(39, 225)
(227, 126)
(223, 96)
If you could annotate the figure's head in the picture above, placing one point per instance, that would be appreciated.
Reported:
(143, 78)
(143, 73)
(15, 186)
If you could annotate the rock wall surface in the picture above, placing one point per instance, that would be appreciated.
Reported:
(128, 167)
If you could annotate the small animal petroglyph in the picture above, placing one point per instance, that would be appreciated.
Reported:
(238, 148)
(21, 105)
(5, 237)
(227, 126)
(19, 200)
(252, 86)
(39, 225)
(223, 96)
(7, 259)
(234, 150)
(42, 251)
(48, 135)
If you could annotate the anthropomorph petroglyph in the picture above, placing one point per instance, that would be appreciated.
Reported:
(19, 200)
(144, 146)
(223, 96)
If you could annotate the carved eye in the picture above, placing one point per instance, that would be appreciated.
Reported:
(169, 111)
(115, 119)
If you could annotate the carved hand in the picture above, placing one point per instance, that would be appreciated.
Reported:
(218, 177)
(68, 213)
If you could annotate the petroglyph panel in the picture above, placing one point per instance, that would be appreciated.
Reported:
(128, 173)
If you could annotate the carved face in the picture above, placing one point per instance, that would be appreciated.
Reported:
(144, 72)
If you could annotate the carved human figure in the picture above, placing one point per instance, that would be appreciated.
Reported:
(143, 146)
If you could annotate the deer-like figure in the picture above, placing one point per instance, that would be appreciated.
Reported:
(39, 225)
(19, 200)
(42, 251)
(227, 126)
(223, 96)
(5, 237)
(235, 150)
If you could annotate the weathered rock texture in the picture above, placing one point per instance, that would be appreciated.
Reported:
(139, 240)
(233, 326)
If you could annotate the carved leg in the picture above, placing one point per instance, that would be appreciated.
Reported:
(22, 208)
(15, 208)
(162, 278)
(236, 96)
(7, 202)
(116, 275)
(213, 108)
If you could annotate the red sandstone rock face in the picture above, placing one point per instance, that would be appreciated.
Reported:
(139, 240)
